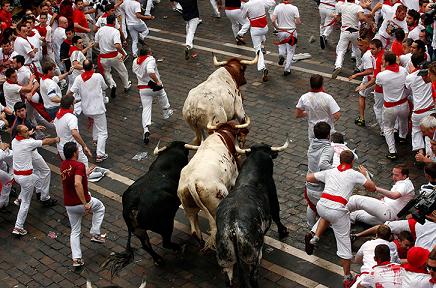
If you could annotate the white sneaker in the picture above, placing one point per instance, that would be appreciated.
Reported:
(17, 202)
(166, 113)
(19, 231)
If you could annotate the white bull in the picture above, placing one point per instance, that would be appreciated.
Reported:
(208, 177)
(218, 99)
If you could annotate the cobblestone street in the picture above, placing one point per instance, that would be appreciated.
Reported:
(37, 260)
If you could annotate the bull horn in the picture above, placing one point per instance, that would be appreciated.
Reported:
(281, 148)
(211, 127)
(250, 62)
(157, 150)
(242, 151)
(245, 125)
(191, 147)
(216, 62)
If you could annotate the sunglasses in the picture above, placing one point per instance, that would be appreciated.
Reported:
(431, 268)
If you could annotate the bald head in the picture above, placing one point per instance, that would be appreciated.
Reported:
(63, 22)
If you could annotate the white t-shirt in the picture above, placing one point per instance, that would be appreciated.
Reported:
(388, 12)
(130, 9)
(328, 4)
(286, 15)
(406, 189)
(107, 37)
(49, 89)
(102, 21)
(23, 47)
(386, 276)
(414, 34)
(23, 153)
(405, 59)
(349, 12)
(421, 91)
(92, 94)
(339, 184)
(23, 75)
(392, 83)
(58, 37)
(366, 253)
(79, 57)
(425, 234)
(35, 40)
(390, 24)
(423, 282)
(410, 277)
(411, 4)
(63, 127)
(12, 94)
(368, 62)
(319, 107)
(143, 70)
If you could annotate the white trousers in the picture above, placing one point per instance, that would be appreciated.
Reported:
(378, 108)
(27, 184)
(118, 65)
(258, 36)
(75, 214)
(346, 38)
(237, 21)
(6, 181)
(147, 101)
(391, 115)
(417, 137)
(148, 7)
(339, 219)
(42, 171)
(139, 30)
(370, 210)
(326, 15)
(123, 24)
(310, 214)
(286, 50)
(191, 27)
(99, 132)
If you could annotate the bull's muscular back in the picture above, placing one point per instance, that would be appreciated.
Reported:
(213, 100)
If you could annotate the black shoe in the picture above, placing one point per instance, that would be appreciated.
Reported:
(113, 92)
(286, 73)
(360, 122)
(392, 156)
(187, 53)
(265, 75)
(240, 40)
(281, 60)
(38, 196)
(322, 42)
(308, 247)
(49, 203)
(263, 50)
(146, 137)
(336, 72)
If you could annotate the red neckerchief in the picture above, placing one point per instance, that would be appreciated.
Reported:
(343, 167)
(19, 138)
(45, 76)
(382, 264)
(68, 42)
(62, 112)
(394, 68)
(10, 82)
(31, 33)
(72, 49)
(87, 75)
(286, 2)
(105, 14)
(317, 90)
(42, 30)
(141, 59)
(412, 27)
(31, 46)
(425, 56)
(433, 281)
(111, 25)
(387, 2)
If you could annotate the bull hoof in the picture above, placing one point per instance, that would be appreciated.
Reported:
(283, 232)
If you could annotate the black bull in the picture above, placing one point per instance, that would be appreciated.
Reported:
(151, 203)
(244, 216)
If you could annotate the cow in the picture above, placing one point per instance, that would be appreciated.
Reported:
(151, 203)
(218, 99)
(208, 177)
(244, 217)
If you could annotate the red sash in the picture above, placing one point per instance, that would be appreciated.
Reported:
(259, 22)
(23, 172)
(334, 198)
(105, 56)
(423, 110)
(143, 87)
(396, 103)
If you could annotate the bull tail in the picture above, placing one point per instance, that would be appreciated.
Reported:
(210, 243)
(242, 276)
(117, 261)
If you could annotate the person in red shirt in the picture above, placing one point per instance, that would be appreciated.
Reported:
(6, 15)
(397, 44)
(77, 200)
(81, 26)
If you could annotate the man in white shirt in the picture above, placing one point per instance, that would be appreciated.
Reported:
(233, 12)
(50, 91)
(67, 129)
(12, 91)
(22, 46)
(146, 71)
(317, 105)
(58, 37)
(285, 19)
(339, 185)
(34, 39)
(112, 55)
(372, 211)
(5, 174)
(412, 20)
(415, 267)
(365, 254)
(423, 103)
(6, 55)
(255, 11)
(386, 32)
(135, 23)
(327, 15)
(395, 107)
(29, 169)
(350, 15)
(90, 86)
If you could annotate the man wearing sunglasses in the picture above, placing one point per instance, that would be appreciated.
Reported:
(430, 280)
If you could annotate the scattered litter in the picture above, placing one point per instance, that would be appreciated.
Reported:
(52, 235)
(97, 174)
(301, 56)
(140, 155)
(311, 39)
(161, 59)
